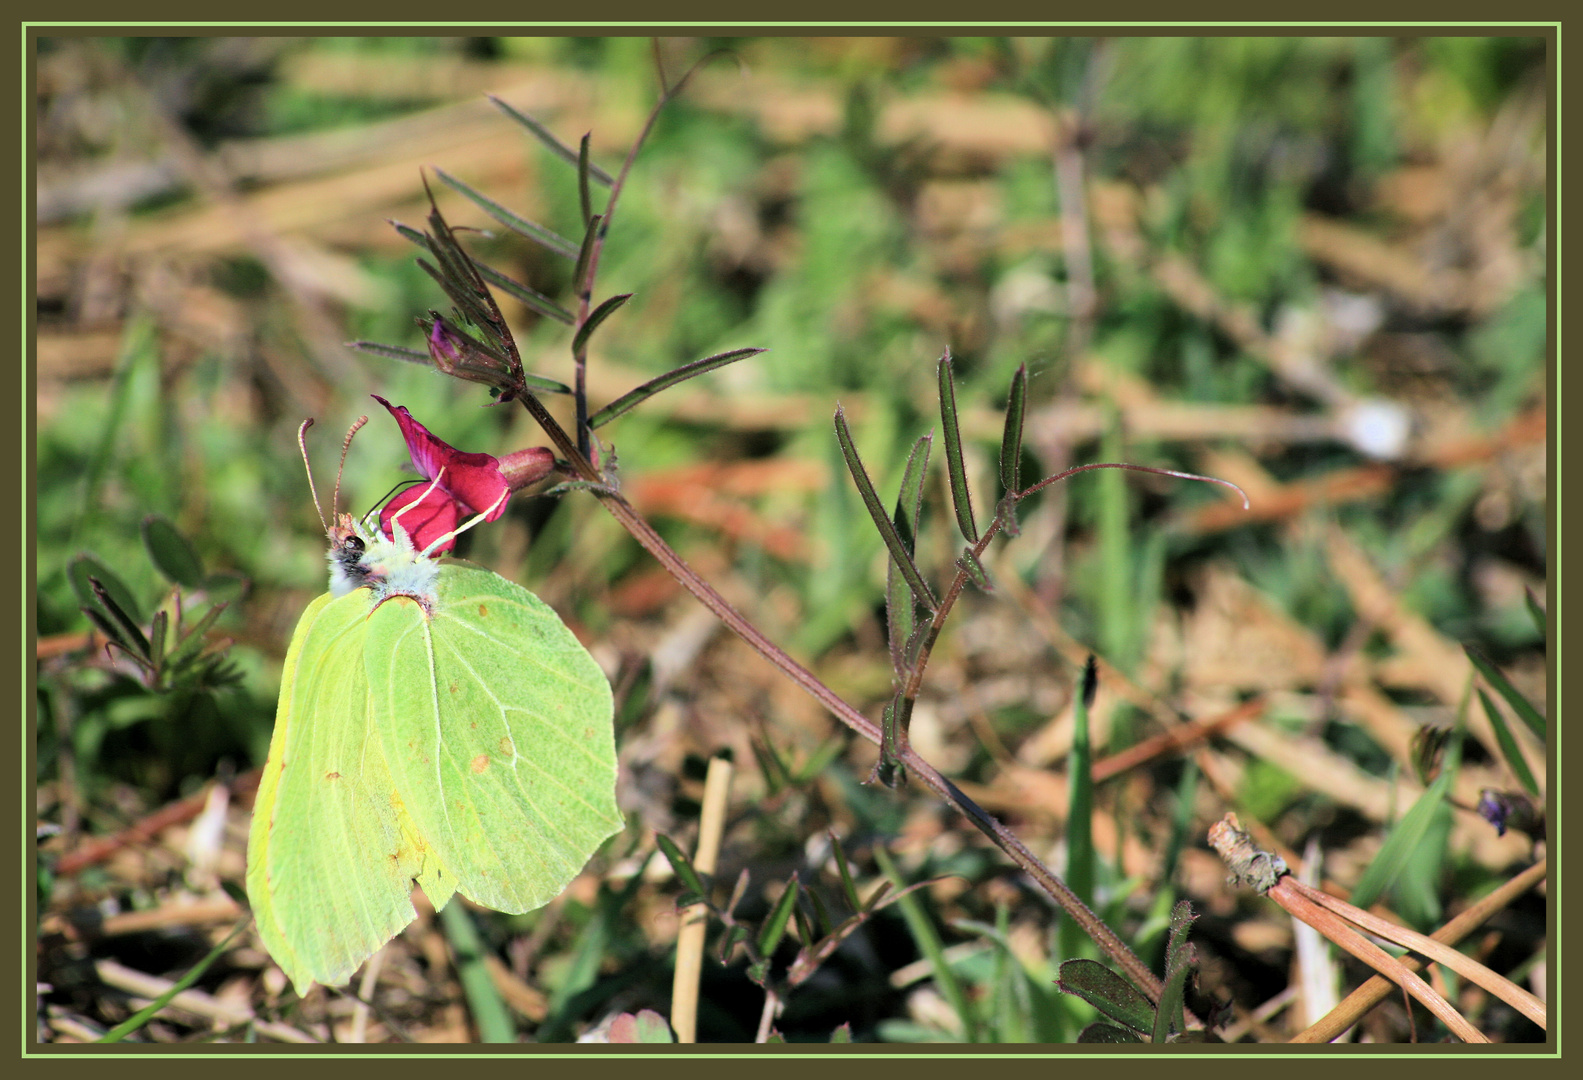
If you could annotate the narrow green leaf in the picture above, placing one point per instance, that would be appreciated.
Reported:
(759, 971)
(534, 299)
(120, 619)
(147, 1012)
(1503, 735)
(975, 570)
(468, 306)
(156, 638)
(900, 606)
(1011, 440)
(478, 986)
(530, 297)
(848, 886)
(543, 134)
(806, 932)
(585, 253)
(1520, 705)
(191, 642)
(887, 528)
(172, 555)
(842, 1034)
(775, 772)
(583, 198)
(733, 936)
(1536, 613)
(543, 385)
(595, 317)
(632, 398)
(738, 891)
(961, 498)
(1107, 992)
(889, 768)
(102, 623)
(395, 352)
(681, 865)
(517, 224)
(824, 924)
(1170, 1013)
(85, 567)
(414, 235)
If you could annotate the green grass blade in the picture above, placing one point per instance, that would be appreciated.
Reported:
(1520, 705)
(1503, 735)
(1080, 810)
(483, 1000)
(961, 497)
(928, 941)
(1404, 838)
(145, 1014)
(520, 225)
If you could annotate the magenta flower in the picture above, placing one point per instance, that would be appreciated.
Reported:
(469, 484)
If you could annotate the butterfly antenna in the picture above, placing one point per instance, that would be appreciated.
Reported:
(339, 469)
(469, 523)
(396, 517)
(302, 444)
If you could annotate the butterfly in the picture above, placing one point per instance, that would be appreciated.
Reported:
(438, 726)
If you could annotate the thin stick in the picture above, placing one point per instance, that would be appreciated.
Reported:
(365, 991)
(690, 940)
(1378, 988)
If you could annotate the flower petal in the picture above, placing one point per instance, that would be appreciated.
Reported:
(473, 480)
(426, 515)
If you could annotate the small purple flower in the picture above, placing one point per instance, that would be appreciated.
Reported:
(1494, 808)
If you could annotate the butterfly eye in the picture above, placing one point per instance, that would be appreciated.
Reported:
(355, 543)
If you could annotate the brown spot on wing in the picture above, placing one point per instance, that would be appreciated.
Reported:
(479, 763)
(483, 610)
(332, 775)
(505, 745)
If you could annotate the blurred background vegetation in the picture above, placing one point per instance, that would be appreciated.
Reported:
(1314, 266)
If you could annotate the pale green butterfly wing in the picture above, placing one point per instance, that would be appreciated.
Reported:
(331, 854)
(496, 724)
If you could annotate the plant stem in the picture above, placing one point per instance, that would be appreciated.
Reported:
(1002, 837)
